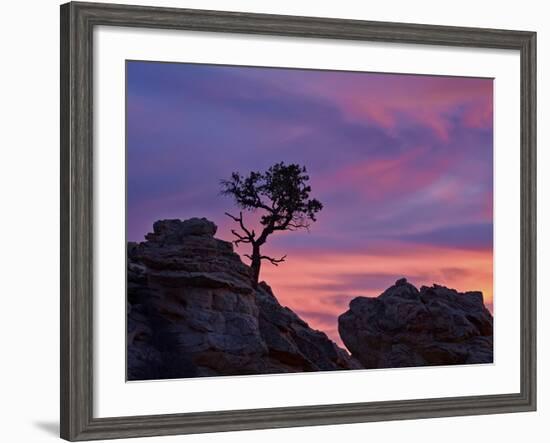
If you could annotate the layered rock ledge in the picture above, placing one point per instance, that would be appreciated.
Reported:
(192, 311)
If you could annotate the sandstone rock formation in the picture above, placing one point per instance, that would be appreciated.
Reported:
(192, 311)
(407, 327)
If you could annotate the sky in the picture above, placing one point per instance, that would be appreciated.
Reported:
(403, 165)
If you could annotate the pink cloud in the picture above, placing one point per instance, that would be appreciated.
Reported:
(379, 178)
(422, 100)
(480, 115)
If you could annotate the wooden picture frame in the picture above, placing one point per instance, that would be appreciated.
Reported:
(77, 23)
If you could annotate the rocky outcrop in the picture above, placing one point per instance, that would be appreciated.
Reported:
(407, 327)
(192, 311)
(292, 343)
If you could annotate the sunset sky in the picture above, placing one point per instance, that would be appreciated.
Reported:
(402, 163)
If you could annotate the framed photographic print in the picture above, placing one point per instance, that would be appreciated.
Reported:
(272, 221)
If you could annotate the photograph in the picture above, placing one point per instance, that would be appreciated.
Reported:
(287, 220)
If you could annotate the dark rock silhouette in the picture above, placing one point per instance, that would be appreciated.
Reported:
(193, 311)
(407, 327)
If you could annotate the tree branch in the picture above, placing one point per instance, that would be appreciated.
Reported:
(239, 219)
(296, 226)
(250, 235)
(274, 261)
(240, 238)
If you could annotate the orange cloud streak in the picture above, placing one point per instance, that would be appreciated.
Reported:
(306, 283)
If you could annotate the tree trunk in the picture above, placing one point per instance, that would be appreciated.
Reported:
(255, 265)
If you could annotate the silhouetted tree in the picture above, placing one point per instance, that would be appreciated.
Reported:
(282, 194)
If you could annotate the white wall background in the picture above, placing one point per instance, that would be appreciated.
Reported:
(29, 227)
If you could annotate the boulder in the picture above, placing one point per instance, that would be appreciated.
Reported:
(405, 327)
(173, 230)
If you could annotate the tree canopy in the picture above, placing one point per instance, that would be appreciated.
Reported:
(282, 194)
